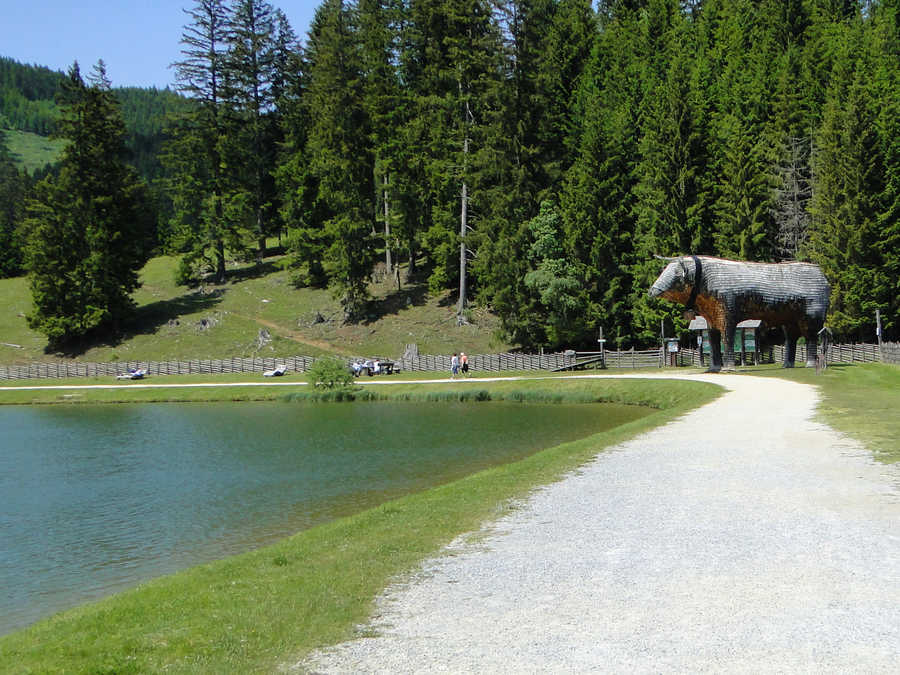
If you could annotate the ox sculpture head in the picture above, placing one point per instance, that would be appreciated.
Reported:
(677, 279)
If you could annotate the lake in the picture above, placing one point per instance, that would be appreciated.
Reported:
(97, 498)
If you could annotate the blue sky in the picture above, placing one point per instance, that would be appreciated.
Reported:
(137, 40)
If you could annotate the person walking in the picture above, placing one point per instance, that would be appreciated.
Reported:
(454, 366)
(464, 364)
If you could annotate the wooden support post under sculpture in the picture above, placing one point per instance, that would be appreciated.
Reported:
(791, 295)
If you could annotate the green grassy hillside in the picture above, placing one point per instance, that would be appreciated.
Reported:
(219, 321)
(32, 151)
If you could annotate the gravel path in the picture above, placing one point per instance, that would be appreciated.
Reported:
(743, 537)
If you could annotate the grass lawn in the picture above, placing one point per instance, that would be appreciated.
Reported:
(269, 608)
(18, 343)
(861, 400)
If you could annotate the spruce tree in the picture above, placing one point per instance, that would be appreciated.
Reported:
(195, 155)
(455, 95)
(884, 41)
(853, 233)
(546, 44)
(286, 58)
(251, 86)
(672, 201)
(88, 229)
(744, 224)
(301, 209)
(674, 196)
(340, 156)
(846, 179)
(425, 134)
(824, 42)
(529, 127)
(599, 199)
(12, 212)
(564, 52)
(744, 52)
(379, 35)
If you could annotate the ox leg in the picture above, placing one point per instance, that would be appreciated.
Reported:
(715, 350)
(812, 345)
(790, 348)
(730, 327)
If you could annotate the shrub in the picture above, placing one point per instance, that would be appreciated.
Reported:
(329, 372)
(186, 274)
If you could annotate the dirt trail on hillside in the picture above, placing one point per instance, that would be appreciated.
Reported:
(743, 537)
(296, 337)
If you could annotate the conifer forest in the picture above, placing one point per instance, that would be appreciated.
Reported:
(532, 156)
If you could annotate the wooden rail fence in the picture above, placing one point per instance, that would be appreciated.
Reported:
(852, 353)
(890, 352)
(60, 369)
(489, 363)
(478, 363)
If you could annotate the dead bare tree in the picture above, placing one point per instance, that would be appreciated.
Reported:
(792, 196)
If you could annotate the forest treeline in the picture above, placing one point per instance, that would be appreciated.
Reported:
(27, 97)
(28, 103)
(534, 155)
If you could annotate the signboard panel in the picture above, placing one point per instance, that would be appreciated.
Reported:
(749, 341)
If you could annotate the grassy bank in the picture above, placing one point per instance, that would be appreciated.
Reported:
(268, 608)
(167, 389)
(245, 387)
(860, 400)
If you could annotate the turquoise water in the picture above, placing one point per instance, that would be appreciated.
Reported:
(94, 499)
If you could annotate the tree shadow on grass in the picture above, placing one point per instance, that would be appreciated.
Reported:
(413, 295)
(254, 271)
(147, 319)
(449, 300)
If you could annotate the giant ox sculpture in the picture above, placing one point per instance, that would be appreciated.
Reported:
(725, 292)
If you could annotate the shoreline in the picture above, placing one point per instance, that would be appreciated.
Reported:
(285, 599)
(188, 385)
(240, 390)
